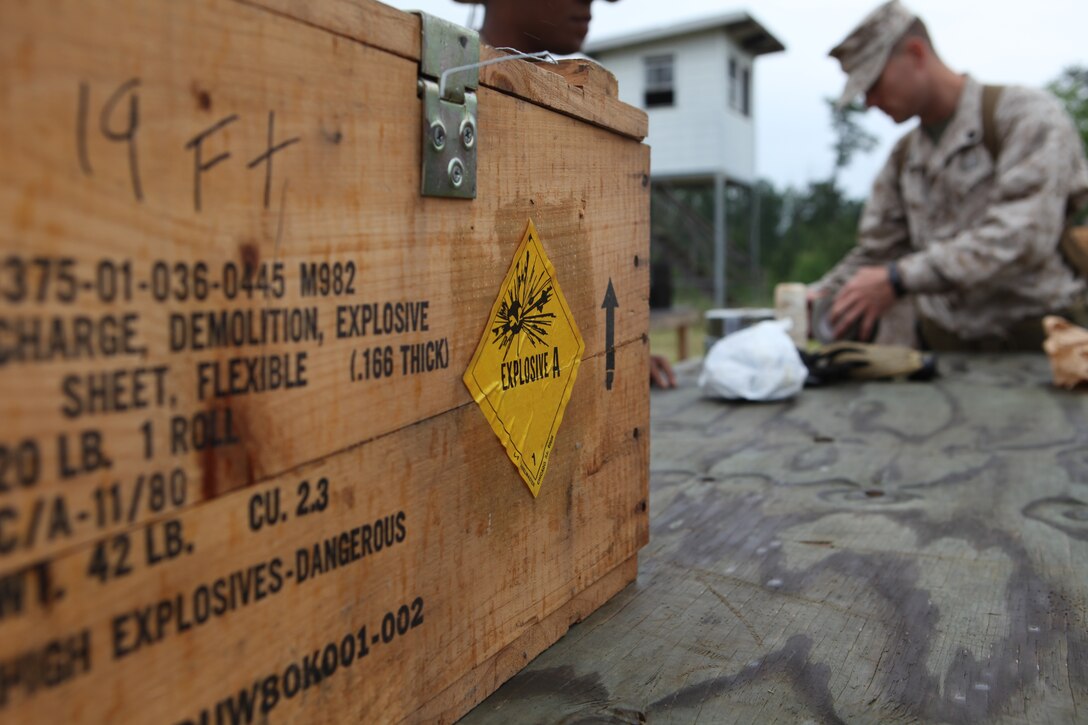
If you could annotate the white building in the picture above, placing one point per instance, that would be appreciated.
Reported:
(696, 81)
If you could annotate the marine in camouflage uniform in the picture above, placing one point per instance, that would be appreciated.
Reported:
(972, 239)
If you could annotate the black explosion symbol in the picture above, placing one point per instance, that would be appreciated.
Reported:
(522, 311)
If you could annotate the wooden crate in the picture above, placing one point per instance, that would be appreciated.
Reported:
(191, 532)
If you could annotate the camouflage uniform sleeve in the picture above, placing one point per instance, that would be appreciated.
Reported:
(883, 234)
(1026, 213)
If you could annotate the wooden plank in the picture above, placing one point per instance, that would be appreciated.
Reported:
(527, 81)
(177, 613)
(444, 259)
(371, 23)
(586, 74)
(892, 552)
(180, 179)
(461, 696)
(593, 101)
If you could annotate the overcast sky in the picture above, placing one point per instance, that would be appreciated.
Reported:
(1000, 41)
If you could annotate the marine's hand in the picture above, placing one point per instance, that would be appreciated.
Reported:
(866, 297)
(814, 293)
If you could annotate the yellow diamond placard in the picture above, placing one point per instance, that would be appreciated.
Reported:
(524, 367)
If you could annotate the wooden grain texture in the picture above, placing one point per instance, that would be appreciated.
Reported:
(371, 23)
(585, 74)
(459, 697)
(881, 552)
(157, 538)
(346, 192)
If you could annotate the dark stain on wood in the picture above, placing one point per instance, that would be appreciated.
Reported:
(209, 478)
(250, 254)
(583, 696)
(202, 96)
(808, 680)
(228, 467)
(1064, 513)
(333, 137)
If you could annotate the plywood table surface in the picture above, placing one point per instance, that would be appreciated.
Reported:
(885, 552)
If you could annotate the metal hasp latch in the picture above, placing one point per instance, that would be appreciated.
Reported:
(449, 108)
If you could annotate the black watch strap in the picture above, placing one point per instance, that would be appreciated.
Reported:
(896, 280)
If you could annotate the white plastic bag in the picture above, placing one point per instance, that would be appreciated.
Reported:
(757, 363)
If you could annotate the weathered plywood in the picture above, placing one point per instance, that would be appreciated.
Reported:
(172, 167)
(886, 552)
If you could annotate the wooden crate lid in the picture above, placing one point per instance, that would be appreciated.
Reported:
(578, 88)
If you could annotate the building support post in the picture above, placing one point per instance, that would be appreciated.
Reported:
(720, 261)
(753, 237)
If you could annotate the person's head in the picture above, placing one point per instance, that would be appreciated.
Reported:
(557, 26)
(890, 59)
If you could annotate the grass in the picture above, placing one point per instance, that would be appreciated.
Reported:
(664, 343)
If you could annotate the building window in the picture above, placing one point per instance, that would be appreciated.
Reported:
(740, 87)
(659, 81)
(746, 91)
(734, 92)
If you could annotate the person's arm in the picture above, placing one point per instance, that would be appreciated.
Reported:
(882, 231)
(861, 282)
(661, 374)
(1022, 225)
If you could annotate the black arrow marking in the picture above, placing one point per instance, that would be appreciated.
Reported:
(609, 306)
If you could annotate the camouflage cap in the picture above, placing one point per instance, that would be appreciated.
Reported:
(864, 52)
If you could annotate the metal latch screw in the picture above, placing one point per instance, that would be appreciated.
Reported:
(449, 74)
(449, 57)
(457, 173)
(438, 135)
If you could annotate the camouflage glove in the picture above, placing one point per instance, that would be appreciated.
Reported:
(840, 361)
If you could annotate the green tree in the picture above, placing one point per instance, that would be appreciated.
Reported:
(801, 233)
(819, 225)
(1072, 88)
(850, 137)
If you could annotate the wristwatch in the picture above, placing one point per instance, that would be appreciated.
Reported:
(895, 280)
